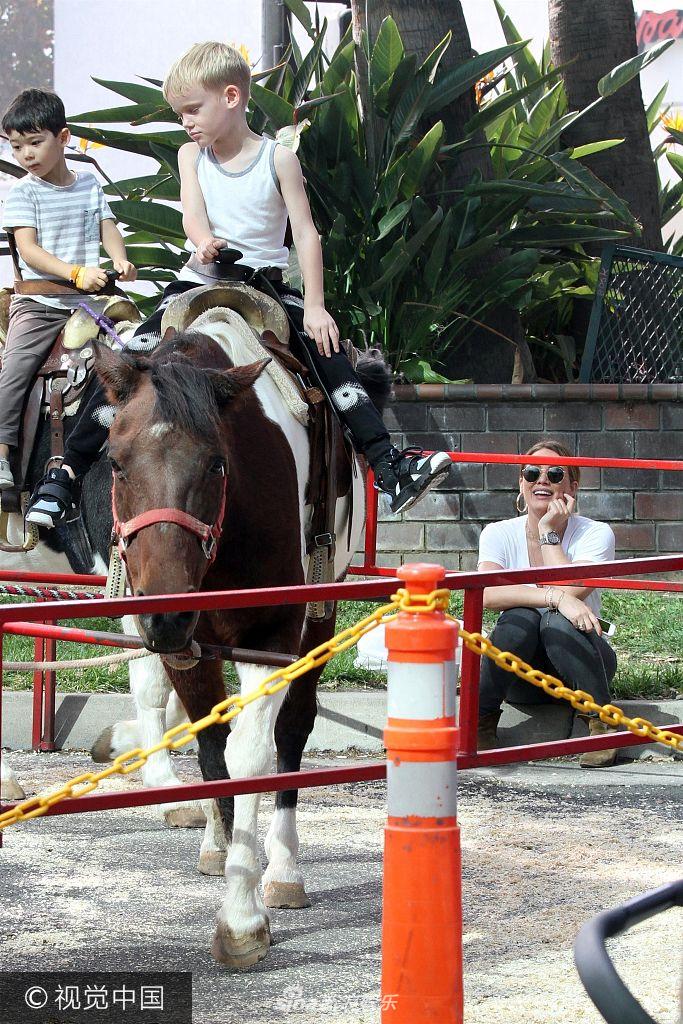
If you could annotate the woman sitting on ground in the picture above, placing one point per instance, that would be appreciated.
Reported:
(553, 628)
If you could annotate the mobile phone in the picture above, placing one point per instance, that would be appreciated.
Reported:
(608, 628)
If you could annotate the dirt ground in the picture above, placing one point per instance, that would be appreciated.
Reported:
(543, 851)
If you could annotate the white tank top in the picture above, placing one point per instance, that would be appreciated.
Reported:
(245, 208)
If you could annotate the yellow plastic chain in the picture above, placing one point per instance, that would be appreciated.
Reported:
(228, 709)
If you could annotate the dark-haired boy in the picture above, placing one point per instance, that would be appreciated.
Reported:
(58, 218)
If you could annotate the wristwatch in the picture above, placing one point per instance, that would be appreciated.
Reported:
(550, 538)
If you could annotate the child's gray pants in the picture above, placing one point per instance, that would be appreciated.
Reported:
(33, 328)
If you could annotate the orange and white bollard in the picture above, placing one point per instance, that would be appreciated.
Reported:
(422, 903)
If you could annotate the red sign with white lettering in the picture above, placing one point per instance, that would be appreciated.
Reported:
(652, 27)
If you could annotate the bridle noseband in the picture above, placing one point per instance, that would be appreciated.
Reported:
(208, 535)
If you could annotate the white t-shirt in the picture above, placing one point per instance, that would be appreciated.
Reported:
(584, 540)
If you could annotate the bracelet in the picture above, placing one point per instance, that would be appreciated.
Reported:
(74, 272)
(79, 279)
(550, 591)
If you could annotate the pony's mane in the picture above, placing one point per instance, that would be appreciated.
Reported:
(184, 393)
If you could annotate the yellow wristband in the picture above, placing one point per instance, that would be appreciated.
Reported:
(80, 277)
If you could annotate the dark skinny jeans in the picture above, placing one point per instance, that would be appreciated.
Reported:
(547, 641)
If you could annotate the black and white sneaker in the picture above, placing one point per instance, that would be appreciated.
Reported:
(407, 475)
(52, 500)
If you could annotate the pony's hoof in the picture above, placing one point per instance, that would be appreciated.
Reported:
(285, 896)
(185, 816)
(239, 954)
(11, 790)
(212, 862)
(101, 749)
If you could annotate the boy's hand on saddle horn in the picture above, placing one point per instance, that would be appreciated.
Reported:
(125, 270)
(319, 325)
(92, 279)
(207, 250)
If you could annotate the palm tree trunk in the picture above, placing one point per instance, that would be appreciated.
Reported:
(485, 356)
(596, 37)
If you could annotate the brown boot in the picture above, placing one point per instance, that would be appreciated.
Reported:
(486, 731)
(598, 758)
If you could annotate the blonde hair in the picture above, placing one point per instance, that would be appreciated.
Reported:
(562, 451)
(211, 65)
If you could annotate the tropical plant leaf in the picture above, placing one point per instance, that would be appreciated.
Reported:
(393, 217)
(339, 68)
(123, 115)
(256, 118)
(149, 216)
(590, 184)
(154, 256)
(302, 79)
(404, 250)
(419, 371)
(130, 142)
(317, 101)
(440, 249)
(387, 54)
(560, 234)
(258, 76)
(676, 161)
(278, 111)
(653, 111)
(9, 168)
(430, 65)
(421, 161)
(168, 156)
(164, 186)
(156, 274)
(457, 81)
(133, 91)
(623, 73)
(302, 14)
(541, 114)
(147, 238)
(580, 152)
(494, 109)
(526, 69)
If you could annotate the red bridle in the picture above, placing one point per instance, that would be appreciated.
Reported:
(208, 535)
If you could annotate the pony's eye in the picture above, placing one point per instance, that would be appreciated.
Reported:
(116, 468)
(217, 466)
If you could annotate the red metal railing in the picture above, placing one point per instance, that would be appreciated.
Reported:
(26, 619)
(15, 618)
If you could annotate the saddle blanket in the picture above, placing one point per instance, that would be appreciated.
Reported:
(242, 346)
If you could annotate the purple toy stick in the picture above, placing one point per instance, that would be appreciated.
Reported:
(103, 322)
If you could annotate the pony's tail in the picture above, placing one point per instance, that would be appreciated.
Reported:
(376, 377)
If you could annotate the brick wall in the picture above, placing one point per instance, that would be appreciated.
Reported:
(644, 507)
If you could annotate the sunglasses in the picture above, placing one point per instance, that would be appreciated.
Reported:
(532, 473)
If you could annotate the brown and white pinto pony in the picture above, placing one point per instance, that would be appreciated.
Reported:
(190, 425)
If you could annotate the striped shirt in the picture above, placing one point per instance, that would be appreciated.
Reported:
(66, 219)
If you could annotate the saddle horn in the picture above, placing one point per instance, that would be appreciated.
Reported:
(260, 311)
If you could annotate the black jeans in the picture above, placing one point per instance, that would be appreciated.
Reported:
(363, 422)
(547, 641)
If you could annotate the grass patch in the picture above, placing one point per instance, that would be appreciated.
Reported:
(648, 642)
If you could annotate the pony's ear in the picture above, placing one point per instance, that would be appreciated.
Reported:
(119, 374)
(169, 333)
(229, 384)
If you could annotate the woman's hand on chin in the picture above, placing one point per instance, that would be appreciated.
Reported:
(557, 515)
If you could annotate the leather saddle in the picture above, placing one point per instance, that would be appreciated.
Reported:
(331, 463)
(60, 381)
